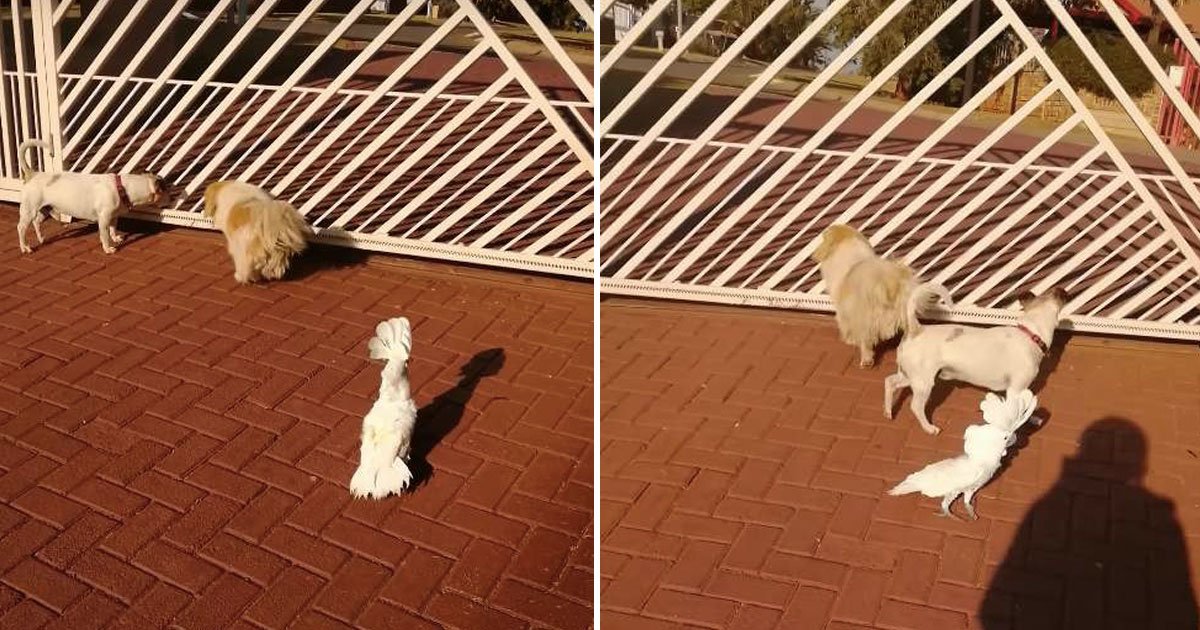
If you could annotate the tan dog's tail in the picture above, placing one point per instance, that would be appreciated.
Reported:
(921, 299)
(281, 234)
(23, 155)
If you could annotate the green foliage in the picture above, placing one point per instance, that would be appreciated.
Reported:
(555, 13)
(896, 36)
(783, 29)
(1117, 54)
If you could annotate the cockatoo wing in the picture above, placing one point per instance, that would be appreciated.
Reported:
(996, 410)
(940, 478)
(1026, 402)
(985, 442)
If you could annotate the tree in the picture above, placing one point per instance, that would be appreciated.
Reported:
(772, 40)
(782, 30)
(554, 13)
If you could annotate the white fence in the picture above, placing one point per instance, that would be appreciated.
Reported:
(717, 176)
(390, 132)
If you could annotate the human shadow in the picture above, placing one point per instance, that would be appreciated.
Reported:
(438, 418)
(1098, 550)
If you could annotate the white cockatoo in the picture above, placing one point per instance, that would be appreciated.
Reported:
(984, 446)
(388, 427)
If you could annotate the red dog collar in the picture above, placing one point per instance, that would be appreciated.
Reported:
(121, 194)
(1037, 341)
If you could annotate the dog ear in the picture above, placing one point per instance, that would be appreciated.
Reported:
(1025, 297)
(822, 251)
(1062, 295)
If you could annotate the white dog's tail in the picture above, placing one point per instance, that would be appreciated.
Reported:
(921, 299)
(281, 230)
(23, 155)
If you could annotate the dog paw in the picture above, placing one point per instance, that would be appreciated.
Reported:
(932, 430)
(118, 238)
(866, 363)
(110, 250)
(25, 249)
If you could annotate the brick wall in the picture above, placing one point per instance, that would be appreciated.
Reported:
(1032, 79)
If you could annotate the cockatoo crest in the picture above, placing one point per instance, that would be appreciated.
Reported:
(392, 340)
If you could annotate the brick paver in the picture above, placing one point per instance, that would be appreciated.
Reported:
(744, 461)
(175, 449)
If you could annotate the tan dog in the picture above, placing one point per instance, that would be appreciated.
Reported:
(874, 298)
(263, 233)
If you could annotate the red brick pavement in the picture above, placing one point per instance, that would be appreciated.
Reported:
(744, 461)
(175, 449)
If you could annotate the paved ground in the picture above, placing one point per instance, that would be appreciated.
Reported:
(744, 462)
(175, 449)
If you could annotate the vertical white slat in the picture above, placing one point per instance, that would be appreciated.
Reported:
(26, 110)
(8, 135)
(582, 82)
(85, 29)
(1082, 233)
(464, 162)
(114, 39)
(911, 158)
(1131, 304)
(46, 45)
(1039, 245)
(426, 147)
(199, 85)
(362, 108)
(485, 172)
(582, 151)
(435, 121)
(503, 205)
(503, 179)
(293, 79)
(413, 109)
(794, 105)
(511, 218)
(160, 81)
(1131, 110)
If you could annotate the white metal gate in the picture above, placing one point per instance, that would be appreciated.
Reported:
(392, 132)
(716, 178)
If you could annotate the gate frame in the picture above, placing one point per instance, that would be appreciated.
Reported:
(704, 208)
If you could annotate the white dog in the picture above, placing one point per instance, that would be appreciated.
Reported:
(388, 427)
(1004, 358)
(262, 233)
(873, 298)
(984, 446)
(94, 197)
